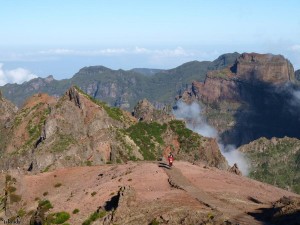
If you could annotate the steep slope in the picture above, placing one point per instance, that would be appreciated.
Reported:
(78, 130)
(7, 113)
(141, 193)
(253, 98)
(275, 161)
(119, 87)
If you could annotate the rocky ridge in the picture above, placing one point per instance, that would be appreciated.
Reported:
(78, 130)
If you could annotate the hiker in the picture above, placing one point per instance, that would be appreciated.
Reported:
(170, 159)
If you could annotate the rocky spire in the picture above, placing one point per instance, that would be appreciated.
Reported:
(74, 96)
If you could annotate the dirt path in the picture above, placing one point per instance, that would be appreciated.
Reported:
(235, 215)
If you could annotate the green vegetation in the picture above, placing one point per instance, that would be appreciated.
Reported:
(93, 217)
(45, 205)
(63, 142)
(75, 211)
(34, 126)
(147, 136)
(278, 164)
(188, 139)
(88, 163)
(154, 222)
(21, 212)
(58, 218)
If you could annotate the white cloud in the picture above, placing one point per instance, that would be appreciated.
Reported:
(18, 75)
(72, 52)
(176, 52)
(295, 48)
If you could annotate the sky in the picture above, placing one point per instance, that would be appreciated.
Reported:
(52, 37)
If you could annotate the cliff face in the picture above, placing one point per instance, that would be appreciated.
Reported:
(249, 99)
(250, 69)
(274, 69)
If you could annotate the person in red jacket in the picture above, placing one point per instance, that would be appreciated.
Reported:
(170, 159)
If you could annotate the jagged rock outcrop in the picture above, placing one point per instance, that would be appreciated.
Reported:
(145, 111)
(74, 96)
(78, 130)
(235, 169)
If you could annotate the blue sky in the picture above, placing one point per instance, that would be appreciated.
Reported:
(60, 37)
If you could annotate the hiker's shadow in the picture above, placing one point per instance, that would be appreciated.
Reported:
(163, 165)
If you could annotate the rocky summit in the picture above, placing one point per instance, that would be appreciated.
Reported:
(75, 130)
(252, 98)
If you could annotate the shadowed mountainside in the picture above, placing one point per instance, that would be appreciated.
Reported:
(250, 99)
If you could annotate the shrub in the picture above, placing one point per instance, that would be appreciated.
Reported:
(45, 205)
(75, 211)
(21, 213)
(146, 136)
(45, 193)
(94, 193)
(58, 218)
(93, 217)
(57, 185)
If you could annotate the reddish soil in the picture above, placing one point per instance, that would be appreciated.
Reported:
(158, 191)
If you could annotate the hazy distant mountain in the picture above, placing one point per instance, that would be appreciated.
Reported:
(119, 87)
(147, 72)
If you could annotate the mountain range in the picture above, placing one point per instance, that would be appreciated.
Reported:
(119, 87)
(57, 147)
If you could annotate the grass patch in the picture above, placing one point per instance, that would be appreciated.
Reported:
(93, 217)
(64, 141)
(21, 213)
(147, 136)
(188, 140)
(45, 205)
(58, 218)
